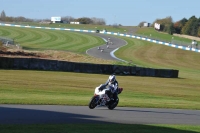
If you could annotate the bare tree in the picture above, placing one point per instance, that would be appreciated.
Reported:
(115, 25)
(3, 16)
(68, 19)
(98, 21)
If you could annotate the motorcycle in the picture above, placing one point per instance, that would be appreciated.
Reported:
(108, 97)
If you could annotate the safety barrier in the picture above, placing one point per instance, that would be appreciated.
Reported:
(54, 65)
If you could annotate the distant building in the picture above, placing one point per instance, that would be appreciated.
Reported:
(56, 20)
(157, 26)
(74, 22)
(65, 22)
(146, 25)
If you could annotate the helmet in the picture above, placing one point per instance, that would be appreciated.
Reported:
(112, 78)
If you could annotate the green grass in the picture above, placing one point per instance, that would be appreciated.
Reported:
(44, 87)
(140, 92)
(42, 39)
(152, 33)
(121, 29)
(65, 88)
(98, 128)
(149, 54)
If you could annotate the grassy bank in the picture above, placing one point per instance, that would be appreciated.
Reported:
(41, 39)
(43, 87)
(98, 128)
(37, 87)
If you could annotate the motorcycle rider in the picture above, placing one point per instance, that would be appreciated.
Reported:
(111, 81)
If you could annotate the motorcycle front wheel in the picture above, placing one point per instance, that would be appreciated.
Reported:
(93, 102)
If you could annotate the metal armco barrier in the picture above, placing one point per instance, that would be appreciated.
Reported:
(54, 65)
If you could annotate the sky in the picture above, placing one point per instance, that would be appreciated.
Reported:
(124, 12)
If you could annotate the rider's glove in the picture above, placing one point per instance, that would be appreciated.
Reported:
(120, 90)
(100, 88)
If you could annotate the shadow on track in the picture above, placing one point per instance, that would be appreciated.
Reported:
(37, 120)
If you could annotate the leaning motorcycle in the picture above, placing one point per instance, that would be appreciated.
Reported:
(105, 97)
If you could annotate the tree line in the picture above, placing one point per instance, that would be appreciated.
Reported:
(83, 20)
(185, 26)
(5, 18)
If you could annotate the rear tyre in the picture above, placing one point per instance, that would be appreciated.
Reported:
(113, 104)
(93, 102)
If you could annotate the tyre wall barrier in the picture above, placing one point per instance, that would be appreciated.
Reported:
(54, 65)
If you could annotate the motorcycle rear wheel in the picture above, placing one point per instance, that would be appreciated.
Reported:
(92, 103)
(113, 104)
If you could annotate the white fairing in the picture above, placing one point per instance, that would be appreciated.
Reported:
(102, 94)
(97, 92)
(110, 87)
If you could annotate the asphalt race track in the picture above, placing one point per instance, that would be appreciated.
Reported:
(57, 114)
(106, 53)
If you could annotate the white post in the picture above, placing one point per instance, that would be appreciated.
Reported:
(6, 43)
